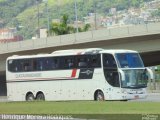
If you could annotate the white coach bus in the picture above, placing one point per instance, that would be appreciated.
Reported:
(79, 74)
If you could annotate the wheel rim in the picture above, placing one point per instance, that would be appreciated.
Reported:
(100, 96)
(40, 97)
(30, 97)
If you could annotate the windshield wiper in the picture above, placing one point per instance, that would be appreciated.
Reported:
(136, 86)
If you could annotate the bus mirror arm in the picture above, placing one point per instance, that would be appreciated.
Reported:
(151, 75)
(122, 74)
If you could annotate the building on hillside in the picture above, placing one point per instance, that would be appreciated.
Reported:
(43, 33)
(78, 24)
(8, 35)
(152, 4)
(93, 19)
(113, 11)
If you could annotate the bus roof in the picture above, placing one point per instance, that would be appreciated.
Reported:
(73, 52)
(114, 51)
(78, 51)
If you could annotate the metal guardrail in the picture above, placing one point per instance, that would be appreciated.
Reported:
(89, 36)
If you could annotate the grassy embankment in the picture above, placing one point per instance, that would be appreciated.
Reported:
(84, 108)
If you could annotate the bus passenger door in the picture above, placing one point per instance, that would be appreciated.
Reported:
(111, 73)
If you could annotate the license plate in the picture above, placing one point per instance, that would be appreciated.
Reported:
(136, 96)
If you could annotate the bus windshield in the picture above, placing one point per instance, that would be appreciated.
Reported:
(129, 60)
(134, 78)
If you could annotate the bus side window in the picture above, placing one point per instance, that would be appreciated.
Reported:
(39, 65)
(68, 62)
(48, 63)
(35, 64)
(43, 64)
(95, 61)
(66, 66)
(82, 61)
(110, 70)
(109, 61)
(27, 66)
(11, 66)
(14, 66)
(54, 63)
(81, 64)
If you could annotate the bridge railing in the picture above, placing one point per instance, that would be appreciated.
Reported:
(89, 36)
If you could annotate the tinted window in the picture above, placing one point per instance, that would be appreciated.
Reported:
(95, 61)
(26, 65)
(67, 62)
(54, 63)
(83, 61)
(41, 64)
(13, 65)
(109, 61)
(88, 61)
(20, 65)
(34, 64)
(129, 60)
(110, 70)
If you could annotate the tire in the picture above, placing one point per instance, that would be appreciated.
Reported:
(40, 97)
(29, 97)
(99, 96)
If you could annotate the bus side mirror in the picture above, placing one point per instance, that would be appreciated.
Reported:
(122, 74)
(151, 75)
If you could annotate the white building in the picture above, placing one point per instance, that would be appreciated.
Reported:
(7, 33)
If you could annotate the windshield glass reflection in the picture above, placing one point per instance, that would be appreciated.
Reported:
(135, 78)
(129, 60)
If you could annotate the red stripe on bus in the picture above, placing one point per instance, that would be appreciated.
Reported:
(74, 73)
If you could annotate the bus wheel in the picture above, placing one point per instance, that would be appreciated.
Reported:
(29, 97)
(99, 96)
(40, 96)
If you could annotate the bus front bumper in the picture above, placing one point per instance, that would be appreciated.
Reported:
(134, 96)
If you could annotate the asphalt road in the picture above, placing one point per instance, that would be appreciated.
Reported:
(3, 99)
(152, 97)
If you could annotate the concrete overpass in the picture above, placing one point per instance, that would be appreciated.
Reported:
(143, 38)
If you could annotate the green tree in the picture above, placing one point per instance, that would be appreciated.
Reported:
(85, 28)
(63, 27)
(156, 13)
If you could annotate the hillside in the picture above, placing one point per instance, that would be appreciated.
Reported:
(23, 14)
